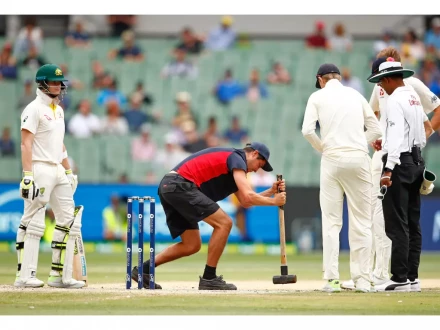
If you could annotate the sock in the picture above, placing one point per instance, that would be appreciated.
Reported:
(209, 273)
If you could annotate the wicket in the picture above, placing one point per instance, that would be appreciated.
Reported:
(141, 201)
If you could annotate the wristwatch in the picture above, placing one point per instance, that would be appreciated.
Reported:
(386, 169)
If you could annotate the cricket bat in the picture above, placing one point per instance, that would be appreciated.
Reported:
(79, 261)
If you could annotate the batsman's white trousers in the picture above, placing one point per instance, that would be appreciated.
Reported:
(349, 173)
(55, 189)
(381, 251)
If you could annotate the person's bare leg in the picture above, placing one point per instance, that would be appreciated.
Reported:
(190, 244)
(222, 225)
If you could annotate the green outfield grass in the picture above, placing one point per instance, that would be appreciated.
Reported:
(110, 269)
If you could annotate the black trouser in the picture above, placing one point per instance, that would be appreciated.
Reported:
(401, 210)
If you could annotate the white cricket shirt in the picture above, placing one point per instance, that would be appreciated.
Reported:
(342, 113)
(404, 117)
(47, 125)
(379, 98)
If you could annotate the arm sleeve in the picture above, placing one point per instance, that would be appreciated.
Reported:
(429, 100)
(309, 124)
(371, 123)
(30, 120)
(235, 161)
(395, 132)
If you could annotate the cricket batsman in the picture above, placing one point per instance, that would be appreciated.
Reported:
(47, 177)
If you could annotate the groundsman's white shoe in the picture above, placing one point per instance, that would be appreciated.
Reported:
(57, 282)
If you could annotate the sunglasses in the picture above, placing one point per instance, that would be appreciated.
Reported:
(382, 192)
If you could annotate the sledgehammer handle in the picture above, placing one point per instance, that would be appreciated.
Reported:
(282, 229)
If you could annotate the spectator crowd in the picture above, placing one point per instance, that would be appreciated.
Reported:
(132, 114)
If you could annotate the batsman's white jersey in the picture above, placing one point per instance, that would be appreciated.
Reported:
(342, 113)
(45, 120)
(47, 125)
(381, 252)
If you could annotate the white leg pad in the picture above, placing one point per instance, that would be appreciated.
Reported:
(34, 232)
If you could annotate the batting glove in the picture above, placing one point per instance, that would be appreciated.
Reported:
(28, 188)
(73, 179)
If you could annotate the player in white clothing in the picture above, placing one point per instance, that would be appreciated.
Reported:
(47, 177)
(343, 113)
(381, 252)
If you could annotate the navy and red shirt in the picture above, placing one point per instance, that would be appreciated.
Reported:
(211, 170)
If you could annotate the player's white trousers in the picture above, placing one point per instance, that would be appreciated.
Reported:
(381, 251)
(349, 173)
(56, 190)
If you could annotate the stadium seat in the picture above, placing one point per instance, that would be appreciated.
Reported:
(276, 121)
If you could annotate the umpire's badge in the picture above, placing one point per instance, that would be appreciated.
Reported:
(42, 191)
(58, 72)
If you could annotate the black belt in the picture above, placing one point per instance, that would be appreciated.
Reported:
(415, 155)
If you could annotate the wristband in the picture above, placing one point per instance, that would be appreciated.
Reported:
(386, 177)
(69, 171)
(65, 154)
(27, 173)
(386, 169)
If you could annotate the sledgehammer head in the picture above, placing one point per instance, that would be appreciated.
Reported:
(284, 279)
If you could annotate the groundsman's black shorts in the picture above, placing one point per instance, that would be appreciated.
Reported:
(184, 204)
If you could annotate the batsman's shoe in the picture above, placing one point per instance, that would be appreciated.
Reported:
(32, 282)
(215, 284)
(146, 279)
(415, 286)
(57, 282)
(391, 286)
(348, 285)
(332, 286)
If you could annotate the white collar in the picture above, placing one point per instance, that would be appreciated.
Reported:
(46, 98)
(333, 83)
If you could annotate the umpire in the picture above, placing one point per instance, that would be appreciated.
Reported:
(402, 173)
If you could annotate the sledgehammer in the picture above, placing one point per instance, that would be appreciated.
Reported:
(284, 278)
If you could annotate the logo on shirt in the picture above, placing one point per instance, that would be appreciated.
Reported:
(42, 191)
(434, 98)
(413, 101)
(58, 72)
(381, 92)
(25, 118)
(47, 117)
(392, 123)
